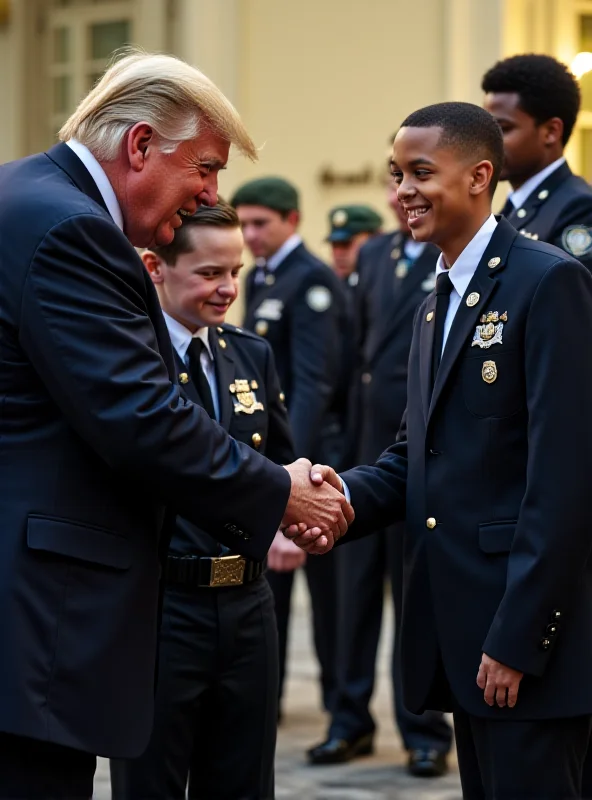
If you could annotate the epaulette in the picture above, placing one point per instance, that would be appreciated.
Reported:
(227, 328)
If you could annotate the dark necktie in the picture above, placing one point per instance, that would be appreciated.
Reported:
(443, 289)
(261, 273)
(198, 376)
(508, 209)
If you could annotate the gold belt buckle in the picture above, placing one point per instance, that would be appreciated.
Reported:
(228, 571)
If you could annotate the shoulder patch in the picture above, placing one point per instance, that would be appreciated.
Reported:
(577, 240)
(319, 298)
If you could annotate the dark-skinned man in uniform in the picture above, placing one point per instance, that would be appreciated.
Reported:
(536, 100)
(216, 701)
(395, 275)
(296, 302)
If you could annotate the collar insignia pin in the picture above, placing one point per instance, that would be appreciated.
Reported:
(473, 299)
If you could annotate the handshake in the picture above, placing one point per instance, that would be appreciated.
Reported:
(317, 514)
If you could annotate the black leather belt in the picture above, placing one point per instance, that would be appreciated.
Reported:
(212, 572)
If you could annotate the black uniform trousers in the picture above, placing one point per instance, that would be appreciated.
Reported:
(216, 700)
(522, 760)
(363, 566)
(36, 770)
(321, 576)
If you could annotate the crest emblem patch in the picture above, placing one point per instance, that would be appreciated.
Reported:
(490, 330)
(245, 399)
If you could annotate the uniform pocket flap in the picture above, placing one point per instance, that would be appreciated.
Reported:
(496, 537)
(78, 541)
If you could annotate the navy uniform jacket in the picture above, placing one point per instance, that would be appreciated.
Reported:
(238, 356)
(389, 292)
(302, 315)
(96, 442)
(495, 479)
(559, 211)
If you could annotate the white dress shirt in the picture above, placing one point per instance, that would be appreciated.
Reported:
(99, 176)
(462, 271)
(521, 195)
(276, 259)
(181, 339)
(413, 249)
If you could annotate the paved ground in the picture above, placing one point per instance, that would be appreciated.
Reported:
(379, 777)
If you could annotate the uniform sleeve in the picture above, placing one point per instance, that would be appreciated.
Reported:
(552, 542)
(315, 352)
(280, 446)
(85, 327)
(573, 232)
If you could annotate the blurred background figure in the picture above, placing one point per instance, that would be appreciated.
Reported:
(350, 228)
(295, 301)
(536, 100)
(395, 275)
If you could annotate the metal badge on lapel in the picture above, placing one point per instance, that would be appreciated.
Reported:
(402, 268)
(473, 299)
(245, 400)
(489, 371)
(491, 329)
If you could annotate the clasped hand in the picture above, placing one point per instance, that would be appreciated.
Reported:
(317, 514)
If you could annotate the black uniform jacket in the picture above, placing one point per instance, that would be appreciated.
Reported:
(388, 295)
(300, 314)
(239, 355)
(560, 205)
(95, 442)
(495, 477)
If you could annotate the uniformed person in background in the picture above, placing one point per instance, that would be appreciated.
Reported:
(298, 304)
(536, 100)
(216, 697)
(395, 275)
(350, 227)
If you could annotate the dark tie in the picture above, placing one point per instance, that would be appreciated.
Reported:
(508, 209)
(261, 273)
(443, 288)
(198, 377)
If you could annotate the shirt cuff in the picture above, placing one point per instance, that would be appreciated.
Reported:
(345, 488)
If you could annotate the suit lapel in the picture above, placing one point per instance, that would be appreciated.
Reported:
(188, 388)
(225, 375)
(483, 283)
(521, 217)
(426, 342)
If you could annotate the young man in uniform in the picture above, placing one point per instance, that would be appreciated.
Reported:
(536, 100)
(296, 302)
(216, 701)
(491, 474)
(396, 274)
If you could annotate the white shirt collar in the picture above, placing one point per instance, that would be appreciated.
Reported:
(521, 195)
(181, 337)
(99, 176)
(465, 266)
(280, 255)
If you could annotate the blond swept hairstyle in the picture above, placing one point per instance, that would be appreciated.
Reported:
(174, 98)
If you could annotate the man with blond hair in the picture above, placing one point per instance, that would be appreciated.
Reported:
(97, 443)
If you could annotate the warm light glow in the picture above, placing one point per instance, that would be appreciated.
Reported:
(581, 64)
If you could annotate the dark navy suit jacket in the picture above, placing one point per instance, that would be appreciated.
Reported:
(238, 355)
(494, 482)
(95, 442)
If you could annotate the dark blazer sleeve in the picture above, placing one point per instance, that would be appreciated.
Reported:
(280, 445)
(577, 212)
(552, 541)
(315, 351)
(378, 492)
(85, 327)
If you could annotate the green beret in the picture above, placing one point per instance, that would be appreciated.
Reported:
(347, 221)
(274, 193)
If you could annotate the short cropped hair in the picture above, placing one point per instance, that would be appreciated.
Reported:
(466, 127)
(222, 215)
(174, 98)
(545, 86)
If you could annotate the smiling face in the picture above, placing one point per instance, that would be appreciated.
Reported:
(443, 192)
(200, 288)
(157, 188)
(528, 146)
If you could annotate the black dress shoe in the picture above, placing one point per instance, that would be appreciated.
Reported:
(338, 751)
(427, 763)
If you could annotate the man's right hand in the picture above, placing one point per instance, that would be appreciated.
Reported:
(314, 502)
